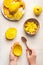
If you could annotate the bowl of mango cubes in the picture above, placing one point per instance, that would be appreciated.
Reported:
(31, 26)
(13, 9)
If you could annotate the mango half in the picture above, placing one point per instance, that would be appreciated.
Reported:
(11, 33)
(17, 49)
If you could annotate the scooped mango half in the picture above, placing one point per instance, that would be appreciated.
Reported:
(11, 33)
(17, 49)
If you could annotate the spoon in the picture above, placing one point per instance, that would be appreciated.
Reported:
(25, 41)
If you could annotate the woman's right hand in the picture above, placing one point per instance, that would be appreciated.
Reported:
(31, 58)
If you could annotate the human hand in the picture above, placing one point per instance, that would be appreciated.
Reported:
(31, 58)
(13, 59)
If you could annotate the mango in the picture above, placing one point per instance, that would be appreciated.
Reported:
(14, 6)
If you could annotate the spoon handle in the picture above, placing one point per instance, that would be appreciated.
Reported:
(30, 51)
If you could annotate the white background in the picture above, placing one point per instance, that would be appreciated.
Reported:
(35, 42)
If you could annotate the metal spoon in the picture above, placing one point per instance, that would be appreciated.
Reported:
(25, 41)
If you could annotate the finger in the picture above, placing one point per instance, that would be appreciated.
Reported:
(11, 53)
(33, 52)
(16, 58)
(11, 50)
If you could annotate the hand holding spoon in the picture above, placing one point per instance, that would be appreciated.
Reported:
(25, 41)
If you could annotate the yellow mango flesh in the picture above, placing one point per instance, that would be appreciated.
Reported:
(30, 27)
(11, 33)
(37, 10)
(17, 50)
(14, 6)
(6, 12)
(18, 15)
(7, 2)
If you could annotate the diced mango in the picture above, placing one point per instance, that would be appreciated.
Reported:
(30, 27)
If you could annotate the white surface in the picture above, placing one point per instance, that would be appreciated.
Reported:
(35, 42)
